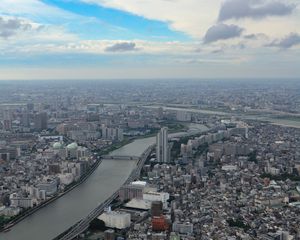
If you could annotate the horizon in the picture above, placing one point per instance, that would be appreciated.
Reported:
(237, 79)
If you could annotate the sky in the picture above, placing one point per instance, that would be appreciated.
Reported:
(114, 39)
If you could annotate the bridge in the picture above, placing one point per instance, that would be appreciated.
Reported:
(84, 223)
(115, 157)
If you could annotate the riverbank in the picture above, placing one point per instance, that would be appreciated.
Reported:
(18, 218)
(31, 211)
(270, 118)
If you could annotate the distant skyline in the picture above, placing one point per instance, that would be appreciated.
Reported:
(113, 39)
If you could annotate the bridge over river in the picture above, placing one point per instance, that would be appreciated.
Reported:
(111, 157)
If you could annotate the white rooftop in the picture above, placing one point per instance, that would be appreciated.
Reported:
(142, 183)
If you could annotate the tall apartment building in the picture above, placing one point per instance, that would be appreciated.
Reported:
(162, 147)
(41, 121)
(128, 192)
(115, 134)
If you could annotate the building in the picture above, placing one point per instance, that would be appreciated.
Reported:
(162, 147)
(114, 134)
(7, 122)
(71, 150)
(109, 234)
(128, 192)
(41, 121)
(50, 187)
(35, 193)
(151, 196)
(173, 236)
(184, 228)
(54, 169)
(8, 153)
(160, 113)
(30, 107)
(117, 220)
(93, 108)
(159, 224)
(186, 151)
(66, 178)
(23, 202)
(183, 116)
(156, 208)
(82, 167)
(9, 211)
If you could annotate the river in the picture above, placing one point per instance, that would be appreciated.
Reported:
(55, 218)
(258, 116)
(58, 216)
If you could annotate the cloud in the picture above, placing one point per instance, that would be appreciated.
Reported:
(36, 11)
(18, 33)
(289, 41)
(251, 36)
(236, 9)
(216, 51)
(257, 36)
(222, 31)
(191, 17)
(10, 27)
(98, 47)
(122, 47)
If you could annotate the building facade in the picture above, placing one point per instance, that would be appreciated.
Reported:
(162, 147)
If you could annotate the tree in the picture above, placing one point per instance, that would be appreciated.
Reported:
(97, 224)
(252, 157)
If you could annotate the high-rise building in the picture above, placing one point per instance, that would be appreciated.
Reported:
(162, 147)
(41, 121)
(25, 121)
(7, 123)
(128, 192)
(156, 208)
(160, 113)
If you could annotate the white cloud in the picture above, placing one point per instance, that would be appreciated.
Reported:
(26, 35)
(195, 17)
(97, 47)
(189, 16)
(46, 21)
(35, 10)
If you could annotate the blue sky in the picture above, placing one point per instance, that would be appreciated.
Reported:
(108, 23)
(94, 39)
